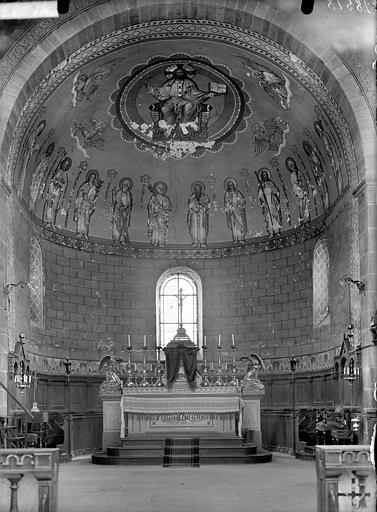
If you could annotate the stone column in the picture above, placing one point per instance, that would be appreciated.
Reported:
(111, 396)
(4, 304)
(252, 394)
(365, 195)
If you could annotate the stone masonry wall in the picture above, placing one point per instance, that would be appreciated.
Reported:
(264, 299)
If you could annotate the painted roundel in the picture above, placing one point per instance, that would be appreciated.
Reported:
(179, 105)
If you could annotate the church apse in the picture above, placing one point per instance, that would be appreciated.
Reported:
(164, 122)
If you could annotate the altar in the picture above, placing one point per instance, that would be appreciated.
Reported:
(158, 410)
(178, 399)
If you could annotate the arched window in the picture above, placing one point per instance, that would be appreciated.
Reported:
(321, 268)
(178, 301)
(36, 282)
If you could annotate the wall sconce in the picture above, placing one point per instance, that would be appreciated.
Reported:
(293, 362)
(21, 367)
(373, 328)
(7, 288)
(34, 406)
(67, 364)
(355, 422)
(360, 285)
(351, 371)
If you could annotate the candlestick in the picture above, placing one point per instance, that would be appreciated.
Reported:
(232, 340)
(129, 340)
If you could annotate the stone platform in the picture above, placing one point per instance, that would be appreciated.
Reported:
(149, 449)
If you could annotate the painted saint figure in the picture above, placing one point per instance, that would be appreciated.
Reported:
(38, 175)
(300, 190)
(269, 197)
(318, 172)
(334, 161)
(56, 191)
(180, 98)
(85, 203)
(159, 208)
(198, 214)
(235, 209)
(121, 210)
(31, 147)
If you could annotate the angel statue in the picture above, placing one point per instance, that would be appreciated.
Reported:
(255, 365)
(112, 383)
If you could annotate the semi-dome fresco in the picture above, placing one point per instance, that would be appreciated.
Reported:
(146, 145)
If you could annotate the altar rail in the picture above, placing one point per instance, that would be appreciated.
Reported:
(345, 479)
(29, 478)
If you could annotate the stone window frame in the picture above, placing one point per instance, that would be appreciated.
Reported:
(195, 278)
(36, 282)
(321, 279)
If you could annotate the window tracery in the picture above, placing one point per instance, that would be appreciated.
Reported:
(36, 282)
(321, 268)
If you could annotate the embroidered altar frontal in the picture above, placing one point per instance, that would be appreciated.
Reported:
(161, 412)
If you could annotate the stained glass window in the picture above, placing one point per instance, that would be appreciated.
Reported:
(178, 303)
(321, 268)
(36, 282)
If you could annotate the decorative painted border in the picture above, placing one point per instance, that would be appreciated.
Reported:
(136, 250)
(33, 36)
(216, 31)
(311, 362)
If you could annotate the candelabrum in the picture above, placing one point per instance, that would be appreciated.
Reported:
(159, 370)
(219, 373)
(144, 370)
(234, 381)
(129, 372)
(205, 382)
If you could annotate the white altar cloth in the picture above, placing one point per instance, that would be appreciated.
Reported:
(153, 408)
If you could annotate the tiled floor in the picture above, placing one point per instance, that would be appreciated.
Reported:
(284, 485)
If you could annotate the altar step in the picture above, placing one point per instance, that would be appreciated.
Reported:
(150, 450)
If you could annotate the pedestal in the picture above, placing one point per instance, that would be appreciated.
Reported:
(111, 419)
(251, 397)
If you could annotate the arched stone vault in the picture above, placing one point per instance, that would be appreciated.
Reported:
(50, 42)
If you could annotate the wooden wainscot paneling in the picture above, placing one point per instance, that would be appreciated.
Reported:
(94, 401)
(86, 432)
(41, 394)
(303, 391)
(319, 392)
(56, 396)
(282, 392)
(79, 396)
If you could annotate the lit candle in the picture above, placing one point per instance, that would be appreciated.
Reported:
(205, 341)
(219, 340)
(145, 340)
(129, 340)
(232, 340)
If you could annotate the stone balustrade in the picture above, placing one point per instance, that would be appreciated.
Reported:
(32, 475)
(345, 479)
